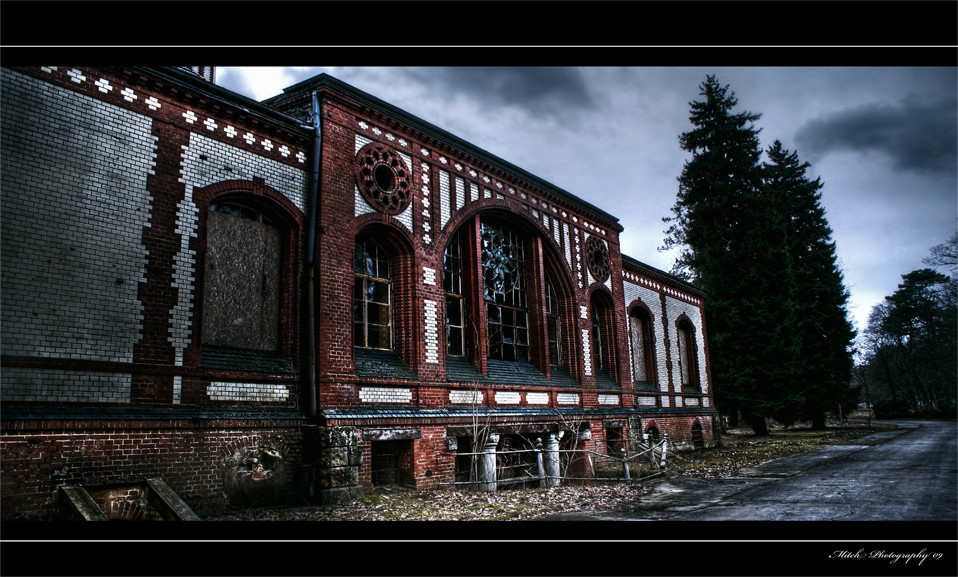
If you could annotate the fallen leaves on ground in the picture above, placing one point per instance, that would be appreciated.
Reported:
(403, 504)
(738, 449)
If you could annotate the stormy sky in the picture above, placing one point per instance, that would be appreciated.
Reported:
(882, 140)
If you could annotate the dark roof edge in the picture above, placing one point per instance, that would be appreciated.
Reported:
(199, 85)
(324, 80)
(663, 276)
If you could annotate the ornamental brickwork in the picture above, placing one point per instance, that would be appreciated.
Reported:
(186, 274)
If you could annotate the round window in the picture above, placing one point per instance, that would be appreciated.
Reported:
(383, 178)
(597, 258)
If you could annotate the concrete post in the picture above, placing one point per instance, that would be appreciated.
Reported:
(487, 464)
(552, 460)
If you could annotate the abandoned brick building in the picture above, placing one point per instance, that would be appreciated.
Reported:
(314, 294)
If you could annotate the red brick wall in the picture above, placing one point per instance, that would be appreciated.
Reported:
(38, 456)
(679, 429)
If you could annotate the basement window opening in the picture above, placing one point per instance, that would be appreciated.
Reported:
(391, 463)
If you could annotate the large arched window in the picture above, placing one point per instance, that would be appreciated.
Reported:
(372, 315)
(640, 336)
(603, 342)
(688, 355)
(504, 293)
(598, 336)
(452, 286)
(505, 303)
(553, 325)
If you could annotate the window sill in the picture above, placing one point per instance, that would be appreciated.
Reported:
(460, 370)
(232, 359)
(381, 364)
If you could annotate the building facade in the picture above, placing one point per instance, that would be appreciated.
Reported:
(312, 295)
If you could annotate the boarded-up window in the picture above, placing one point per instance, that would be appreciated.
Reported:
(687, 365)
(553, 325)
(241, 296)
(640, 329)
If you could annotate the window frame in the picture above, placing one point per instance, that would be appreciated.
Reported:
(553, 319)
(277, 210)
(366, 278)
(452, 285)
(646, 322)
(512, 308)
(602, 331)
(687, 352)
(540, 266)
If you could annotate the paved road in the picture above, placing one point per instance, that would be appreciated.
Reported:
(905, 475)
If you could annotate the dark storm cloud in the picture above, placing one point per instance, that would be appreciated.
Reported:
(549, 91)
(918, 136)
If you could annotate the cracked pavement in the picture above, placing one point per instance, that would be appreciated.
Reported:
(909, 474)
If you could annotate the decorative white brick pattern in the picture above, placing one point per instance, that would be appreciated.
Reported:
(363, 207)
(184, 274)
(646, 401)
(567, 399)
(259, 392)
(460, 397)
(429, 275)
(431, 311)
(674, 308)
(507, 398)
(587, 351)
(71, 273)
(633, 292)
(205, 162)
(384, 395)
(608, 399)
(578, 258)
(537, 398)
(691, 402)
(426, 215)
(444, 197)
(460, 193)
(177, 389)
(65, 386)
(665, 401)
(588, 274)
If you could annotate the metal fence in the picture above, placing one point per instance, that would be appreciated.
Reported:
(529, 466)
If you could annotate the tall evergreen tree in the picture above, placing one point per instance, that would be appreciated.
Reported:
(717, 222)
(754, 237)
(818, 334)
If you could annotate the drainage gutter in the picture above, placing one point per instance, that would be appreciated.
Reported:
(311, 257)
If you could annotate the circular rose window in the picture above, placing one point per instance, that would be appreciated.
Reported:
(383, 178)
(597, 258)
